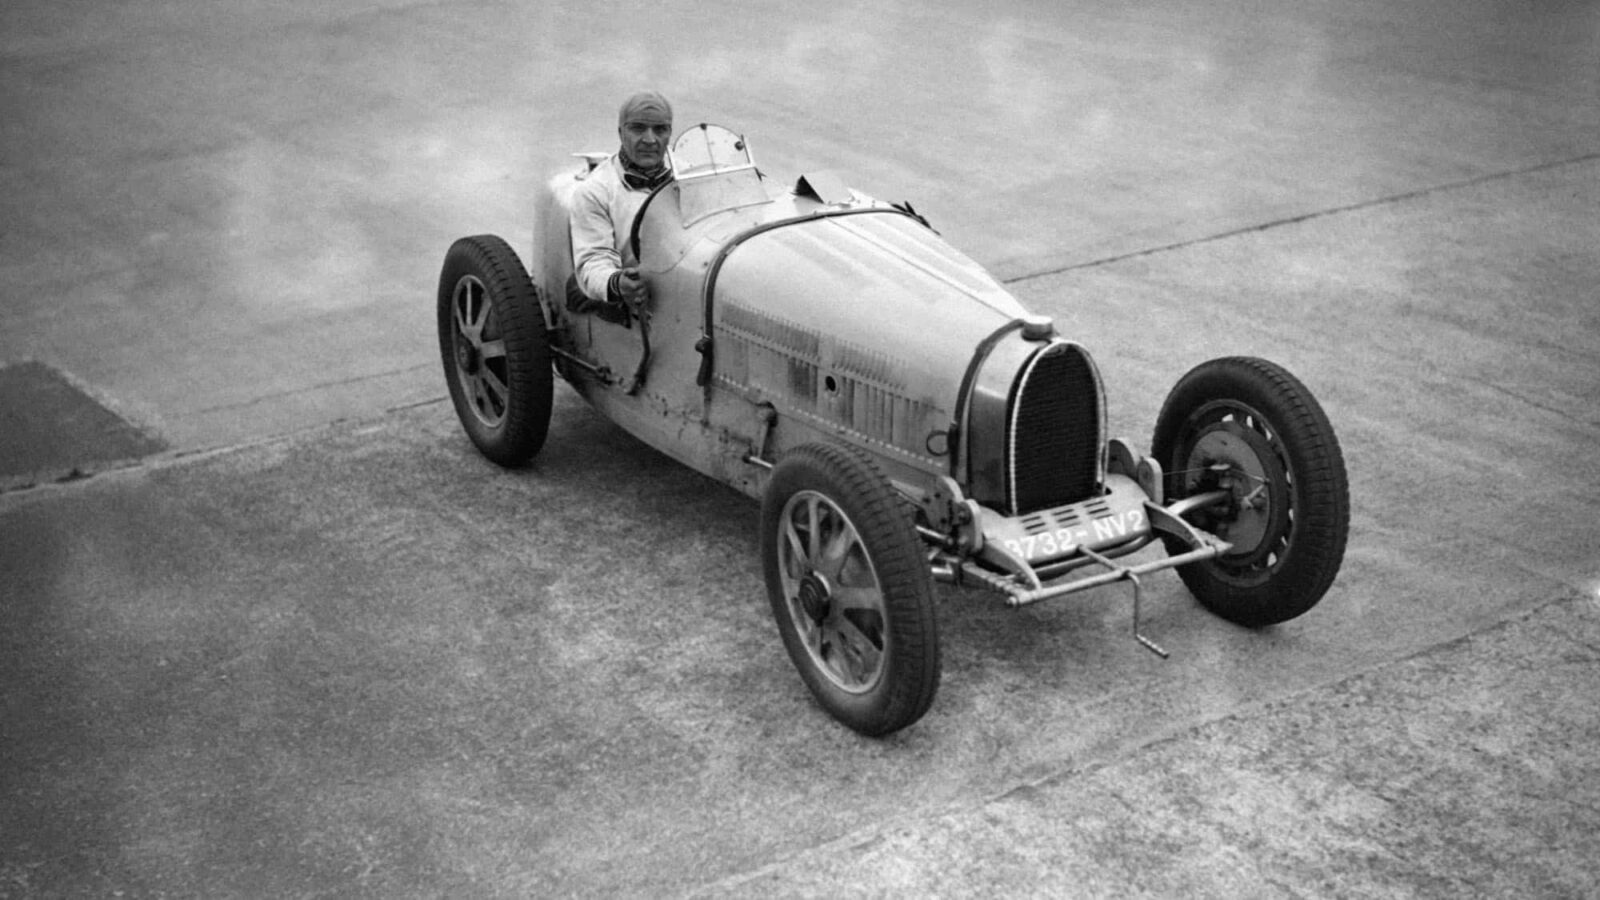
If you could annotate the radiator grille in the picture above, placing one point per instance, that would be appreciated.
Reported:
(1053, 442)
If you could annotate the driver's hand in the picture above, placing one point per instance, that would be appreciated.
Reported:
(632, 288)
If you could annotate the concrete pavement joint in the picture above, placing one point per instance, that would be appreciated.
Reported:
(1533, 403)
(80, 473)
(426, 401)
(1318, 214)
(357, 379)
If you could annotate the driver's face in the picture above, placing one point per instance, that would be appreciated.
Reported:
(644, 139)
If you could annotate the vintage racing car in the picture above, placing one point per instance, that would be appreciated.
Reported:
(900, 416)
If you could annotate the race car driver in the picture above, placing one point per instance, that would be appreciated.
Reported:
(605, 273)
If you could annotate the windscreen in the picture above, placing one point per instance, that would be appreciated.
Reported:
(708, 150)
(714, 173)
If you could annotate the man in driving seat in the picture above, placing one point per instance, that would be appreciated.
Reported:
(605, 273)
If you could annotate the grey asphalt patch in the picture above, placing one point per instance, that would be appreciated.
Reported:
(363, 661)
(50, 427)
(1465, 771)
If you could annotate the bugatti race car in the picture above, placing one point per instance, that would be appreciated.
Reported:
(900, 416)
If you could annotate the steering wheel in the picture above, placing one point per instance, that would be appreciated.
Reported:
(638, 217)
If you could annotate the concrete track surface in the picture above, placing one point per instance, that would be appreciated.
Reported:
(318, 647)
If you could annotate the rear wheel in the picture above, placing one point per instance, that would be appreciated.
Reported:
(849, 588)
(1248, 427)
(495, 351)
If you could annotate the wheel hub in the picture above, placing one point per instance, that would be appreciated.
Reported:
(815, 596)
(467, 356)
(1251, 472)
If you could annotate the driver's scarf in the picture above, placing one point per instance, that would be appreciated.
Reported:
(640, 180)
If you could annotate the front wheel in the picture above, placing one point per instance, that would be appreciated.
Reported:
(495, 349)
(849, 588)
(1247, 427)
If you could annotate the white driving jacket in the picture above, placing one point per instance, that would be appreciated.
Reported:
(603, 208)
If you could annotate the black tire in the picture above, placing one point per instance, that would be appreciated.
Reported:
(495, 351)
(1259, 421)
(849, 588)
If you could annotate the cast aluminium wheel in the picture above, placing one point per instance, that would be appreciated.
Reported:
(849, 588)
(1247, 426)
(495, 351)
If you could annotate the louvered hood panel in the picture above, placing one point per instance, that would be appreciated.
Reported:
(868, 320)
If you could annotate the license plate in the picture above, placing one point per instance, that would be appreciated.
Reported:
(1052, 543)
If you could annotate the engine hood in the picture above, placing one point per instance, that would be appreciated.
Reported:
(864, 319)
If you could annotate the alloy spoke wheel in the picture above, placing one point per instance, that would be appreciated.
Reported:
(480, 352)
(834, 597)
